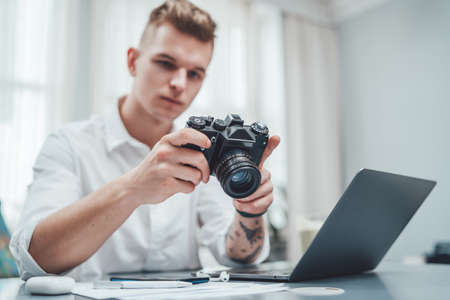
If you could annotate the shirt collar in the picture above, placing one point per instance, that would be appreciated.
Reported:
(116, 133)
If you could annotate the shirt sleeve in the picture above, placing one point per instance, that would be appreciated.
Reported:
(55, 185)
(216, 213)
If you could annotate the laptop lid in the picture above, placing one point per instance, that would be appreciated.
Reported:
(363, 225)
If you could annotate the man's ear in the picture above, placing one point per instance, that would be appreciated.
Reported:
(132, 56)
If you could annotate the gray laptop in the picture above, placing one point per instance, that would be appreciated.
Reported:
(363, 225)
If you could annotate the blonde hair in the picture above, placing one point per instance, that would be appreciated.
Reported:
(185, 17)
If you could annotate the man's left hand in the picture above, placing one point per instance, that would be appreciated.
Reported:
(262, 198)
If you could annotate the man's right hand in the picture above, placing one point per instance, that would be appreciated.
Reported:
(169, 168)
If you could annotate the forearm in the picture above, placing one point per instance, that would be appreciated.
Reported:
(71, 235)
(245, 239)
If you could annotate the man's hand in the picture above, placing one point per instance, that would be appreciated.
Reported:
(169, 168)
(245, 238)
(262, 198)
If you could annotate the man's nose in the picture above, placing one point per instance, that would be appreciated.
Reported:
(178, 81)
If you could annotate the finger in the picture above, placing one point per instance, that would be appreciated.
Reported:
(185, 187)
(256, 206)
(263, 190)
(188, 136)
(265, 175)
(193, 158)
(272, 143)
(186, 173)
(174, 185)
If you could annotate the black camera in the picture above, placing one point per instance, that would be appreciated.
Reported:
(235, 152)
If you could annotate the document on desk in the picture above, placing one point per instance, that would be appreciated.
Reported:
(203, 290)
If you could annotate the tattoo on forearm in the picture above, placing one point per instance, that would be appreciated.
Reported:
(248, 258)
(251, 234)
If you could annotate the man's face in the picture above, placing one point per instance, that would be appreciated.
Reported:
(169, 71)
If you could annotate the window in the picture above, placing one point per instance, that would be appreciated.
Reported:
(24, 91)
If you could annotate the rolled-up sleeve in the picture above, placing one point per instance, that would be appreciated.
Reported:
(216, 212)
(55, 185)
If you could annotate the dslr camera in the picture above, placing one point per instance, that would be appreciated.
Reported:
(235, 152)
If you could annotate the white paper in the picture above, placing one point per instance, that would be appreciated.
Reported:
(203, 290)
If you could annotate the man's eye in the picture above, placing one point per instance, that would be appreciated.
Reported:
(194, 75)
(166, 64)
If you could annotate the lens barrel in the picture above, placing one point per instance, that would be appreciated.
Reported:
(238, 174)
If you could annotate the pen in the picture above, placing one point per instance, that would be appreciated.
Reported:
(140, 284)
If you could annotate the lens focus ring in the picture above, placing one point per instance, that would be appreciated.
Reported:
(238, 174)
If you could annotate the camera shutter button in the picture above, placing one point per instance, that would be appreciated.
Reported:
(259, 128)
(196, 122)
(209, 120)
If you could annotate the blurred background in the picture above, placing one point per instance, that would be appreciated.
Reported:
(347, 84)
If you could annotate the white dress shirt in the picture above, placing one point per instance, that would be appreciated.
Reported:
(82, 157)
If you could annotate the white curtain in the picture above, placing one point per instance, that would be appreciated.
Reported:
(39, 80)
(312, 110)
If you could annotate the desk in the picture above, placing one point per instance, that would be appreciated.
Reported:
(390, 281)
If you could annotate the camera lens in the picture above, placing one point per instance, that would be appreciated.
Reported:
(238, 174)
(240, 177)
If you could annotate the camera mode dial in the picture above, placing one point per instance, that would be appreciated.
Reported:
(259, 128)
(196, 122)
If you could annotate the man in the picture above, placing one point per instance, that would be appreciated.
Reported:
(85, 212)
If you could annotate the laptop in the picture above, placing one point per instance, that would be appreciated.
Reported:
(361, 228)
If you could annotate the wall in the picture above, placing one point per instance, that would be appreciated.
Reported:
(395, 96)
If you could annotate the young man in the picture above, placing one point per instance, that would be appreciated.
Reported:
(85, 213)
